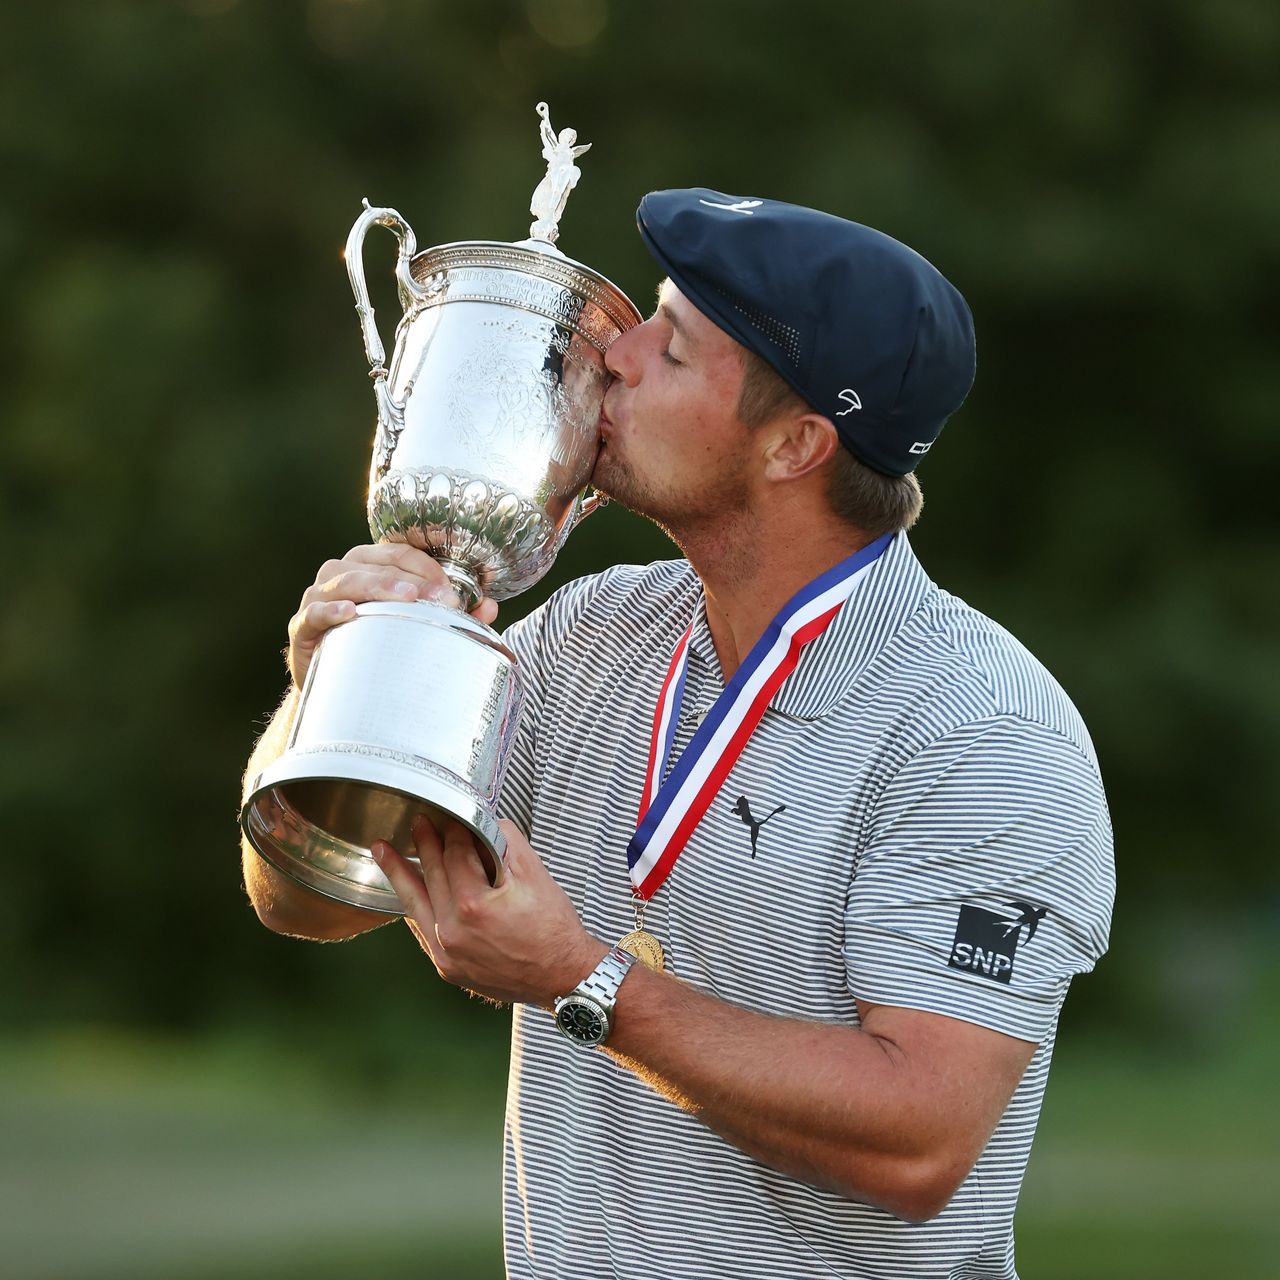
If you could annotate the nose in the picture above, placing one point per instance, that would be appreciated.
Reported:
(621, 358)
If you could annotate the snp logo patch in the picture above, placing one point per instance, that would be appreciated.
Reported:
(986, 943)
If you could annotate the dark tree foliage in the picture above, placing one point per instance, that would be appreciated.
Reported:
(187, 422)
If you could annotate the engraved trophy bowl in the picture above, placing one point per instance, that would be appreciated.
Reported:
(487, 434)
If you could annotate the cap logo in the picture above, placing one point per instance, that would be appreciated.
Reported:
(850, 397)
(921, 446)
(742, 206)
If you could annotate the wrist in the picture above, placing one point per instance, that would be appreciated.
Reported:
(575, 970)
(585, 1015)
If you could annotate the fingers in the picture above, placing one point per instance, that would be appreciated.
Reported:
(463, 865)
(454, 877)
(413, 561)
(486, 611)
(452, 870)
(412, 892)
(389, 564)
(313, 620)
(384, 571)
(362, 583)
(429, 846)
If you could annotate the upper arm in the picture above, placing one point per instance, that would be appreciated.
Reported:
(986, 881)
(984, 886)
(957, 1079)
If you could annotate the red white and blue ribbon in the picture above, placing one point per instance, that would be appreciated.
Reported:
(670, 811)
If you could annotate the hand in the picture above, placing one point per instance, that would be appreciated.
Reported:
(521, 942)
(385, 571)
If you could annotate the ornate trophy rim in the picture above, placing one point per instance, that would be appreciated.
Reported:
(543, 262)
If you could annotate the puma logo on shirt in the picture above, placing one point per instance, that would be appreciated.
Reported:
(743, 810)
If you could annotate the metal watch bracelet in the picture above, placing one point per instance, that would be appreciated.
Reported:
(603, 981)
(593, 999)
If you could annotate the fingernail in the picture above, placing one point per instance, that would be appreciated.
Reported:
(378, 852)
(405, 589)
(445, 595)
(344, 609)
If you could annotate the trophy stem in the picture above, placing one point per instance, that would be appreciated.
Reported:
(468, 589)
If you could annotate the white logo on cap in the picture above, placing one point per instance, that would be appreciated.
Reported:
(852, 399)
(921, 446)
(743, 206)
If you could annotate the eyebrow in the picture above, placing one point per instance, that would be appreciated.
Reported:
(674, 321)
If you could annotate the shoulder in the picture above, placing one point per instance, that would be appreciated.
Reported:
(623, 600)
(966, 669)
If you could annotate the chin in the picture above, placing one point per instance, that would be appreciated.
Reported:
(619, 483)
(612, 478)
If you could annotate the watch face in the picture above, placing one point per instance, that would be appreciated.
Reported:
(582, 1020)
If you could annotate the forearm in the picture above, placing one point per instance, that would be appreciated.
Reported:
(833, 1106)
(892, 1112)
(282, 904)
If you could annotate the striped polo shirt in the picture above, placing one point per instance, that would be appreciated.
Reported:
(918, 820)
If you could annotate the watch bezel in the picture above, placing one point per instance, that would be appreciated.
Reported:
(576, 998)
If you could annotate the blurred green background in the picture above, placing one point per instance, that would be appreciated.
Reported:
(185, 435)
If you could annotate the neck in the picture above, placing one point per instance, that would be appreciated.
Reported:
(750, 570)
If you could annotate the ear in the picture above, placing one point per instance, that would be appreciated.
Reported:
(800, 444)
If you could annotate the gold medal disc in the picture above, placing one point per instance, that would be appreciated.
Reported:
(645, 947)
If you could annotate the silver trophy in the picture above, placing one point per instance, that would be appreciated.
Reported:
(486, 440)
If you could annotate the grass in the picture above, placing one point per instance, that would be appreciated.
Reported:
(1158, 1163)
(124, 1156)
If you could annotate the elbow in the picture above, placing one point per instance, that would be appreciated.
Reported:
(274, 914)
(314, 925)
(270, 916)
(923, 1188)
(915, 1189)
(293, 912)
(921, 1206)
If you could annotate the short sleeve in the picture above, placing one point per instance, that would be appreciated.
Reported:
(986, 879)
(526, 640)
(538, 641)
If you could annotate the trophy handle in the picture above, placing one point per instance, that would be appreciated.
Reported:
(390, 412)
(410, 290)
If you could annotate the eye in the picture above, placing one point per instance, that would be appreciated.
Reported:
(668, 357)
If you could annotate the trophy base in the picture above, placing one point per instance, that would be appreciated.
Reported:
(318, 831)
(408, 709)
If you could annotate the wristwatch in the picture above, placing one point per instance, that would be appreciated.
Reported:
(584, 1014)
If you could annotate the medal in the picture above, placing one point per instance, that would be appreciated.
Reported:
(670, 810)
(645, 947)
(642, 944)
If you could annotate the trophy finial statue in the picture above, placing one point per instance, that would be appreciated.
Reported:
(547, 204)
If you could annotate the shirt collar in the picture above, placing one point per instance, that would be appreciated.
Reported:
(882, 600)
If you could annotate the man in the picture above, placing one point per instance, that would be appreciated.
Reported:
(865, 826)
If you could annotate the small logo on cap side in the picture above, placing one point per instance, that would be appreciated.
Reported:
(852, 399)
(921, 446)
(743, 206)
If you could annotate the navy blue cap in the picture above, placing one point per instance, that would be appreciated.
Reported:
(867, 331)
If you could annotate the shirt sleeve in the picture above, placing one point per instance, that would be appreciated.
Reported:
(537, 642)
(986, 879)
(515, 799)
